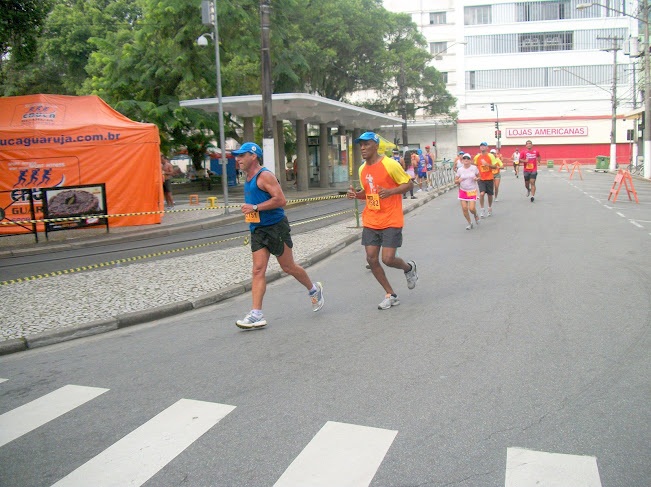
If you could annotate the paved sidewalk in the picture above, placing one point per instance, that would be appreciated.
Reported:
(64, 307)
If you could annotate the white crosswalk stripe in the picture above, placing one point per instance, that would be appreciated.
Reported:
(24, 419)
(529, 468)
(345, 455)
(3, 380)
(138, 456)
(341, 454)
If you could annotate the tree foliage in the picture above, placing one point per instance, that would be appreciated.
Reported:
(141, 56)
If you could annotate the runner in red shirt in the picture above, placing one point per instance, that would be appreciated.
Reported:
(531, 158)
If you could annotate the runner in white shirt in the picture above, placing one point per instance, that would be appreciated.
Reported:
(466, 177)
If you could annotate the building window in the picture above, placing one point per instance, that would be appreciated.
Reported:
(445, 77)
(537, 11)
(477, 15)
(471, 80)
(437, 18)
(547, 41)
(437, 47)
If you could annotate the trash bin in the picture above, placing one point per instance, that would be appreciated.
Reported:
(603, 164)
(550, 164)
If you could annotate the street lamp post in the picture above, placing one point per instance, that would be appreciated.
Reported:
(209, 17)
(647, 76)
(268, 147)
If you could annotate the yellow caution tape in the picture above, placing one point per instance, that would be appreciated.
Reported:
(182, 210)
(246, 241)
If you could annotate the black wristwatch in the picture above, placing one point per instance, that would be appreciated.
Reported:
(255, 207)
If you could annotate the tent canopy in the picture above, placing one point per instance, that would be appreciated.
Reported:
(55, 140)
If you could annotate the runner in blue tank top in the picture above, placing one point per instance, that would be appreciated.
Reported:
(270, 233)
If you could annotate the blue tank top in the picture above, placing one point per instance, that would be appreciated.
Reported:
(254, 196)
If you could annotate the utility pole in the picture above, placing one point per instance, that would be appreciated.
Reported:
(647, 94)
(613, 128)
(268, 148)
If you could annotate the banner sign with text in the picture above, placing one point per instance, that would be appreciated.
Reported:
(547, 132)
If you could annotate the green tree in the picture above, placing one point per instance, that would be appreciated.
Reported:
(21, 22)
(410, 84)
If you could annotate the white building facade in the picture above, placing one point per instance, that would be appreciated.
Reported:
(541, 70)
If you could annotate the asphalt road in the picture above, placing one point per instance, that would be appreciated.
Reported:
(522, 354)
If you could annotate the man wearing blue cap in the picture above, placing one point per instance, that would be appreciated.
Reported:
(383, 182)
(270, 233)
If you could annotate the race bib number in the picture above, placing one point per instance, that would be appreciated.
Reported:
(472, 194)
(528, 166)
(253, 217)
(373, 201)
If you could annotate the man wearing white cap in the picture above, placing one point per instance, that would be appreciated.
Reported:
(383, 182)
(270, 233)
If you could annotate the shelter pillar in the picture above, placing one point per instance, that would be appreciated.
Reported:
(357, 155)
(280, 153)
(280, 166)
(248, 129)
(324, 160)
(302, 178)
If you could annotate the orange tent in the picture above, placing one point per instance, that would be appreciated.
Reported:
(52, 140)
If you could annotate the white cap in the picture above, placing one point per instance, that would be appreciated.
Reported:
(493, 151)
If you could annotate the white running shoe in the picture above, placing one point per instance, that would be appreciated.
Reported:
(317, 297)
(249, 322)
(388, 301)
(469, 227)
(411, 275)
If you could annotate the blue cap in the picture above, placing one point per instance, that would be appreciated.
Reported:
(483, 143)
(368, 136)
(420, 152)
(461, 153)
(249, 147)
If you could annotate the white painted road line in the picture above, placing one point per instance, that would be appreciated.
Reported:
(3, 380)
(22, 420)
(529, 468)
(138, 456)
(621, 214)
(345, 455)
(636, 224)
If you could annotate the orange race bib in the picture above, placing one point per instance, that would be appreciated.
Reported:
(253, 217)
(373, 201)
(528, 166)
(471, 193)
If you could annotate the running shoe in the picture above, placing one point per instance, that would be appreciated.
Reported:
(528, 193)
(481, 214)
(250, 321)
(490, 211)
(532, 199)
(414, 198)
(476, 221)
(388, 301)
(469, 227)
(411, 275)
(317, 297)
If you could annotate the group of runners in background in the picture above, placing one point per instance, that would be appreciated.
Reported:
(479, 178)
(384, 182)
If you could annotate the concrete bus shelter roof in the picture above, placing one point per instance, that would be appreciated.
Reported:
(312, 109)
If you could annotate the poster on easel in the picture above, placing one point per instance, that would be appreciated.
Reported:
(77, 207)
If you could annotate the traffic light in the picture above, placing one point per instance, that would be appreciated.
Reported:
(497, 125)
(492, 107)
(498, 134)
